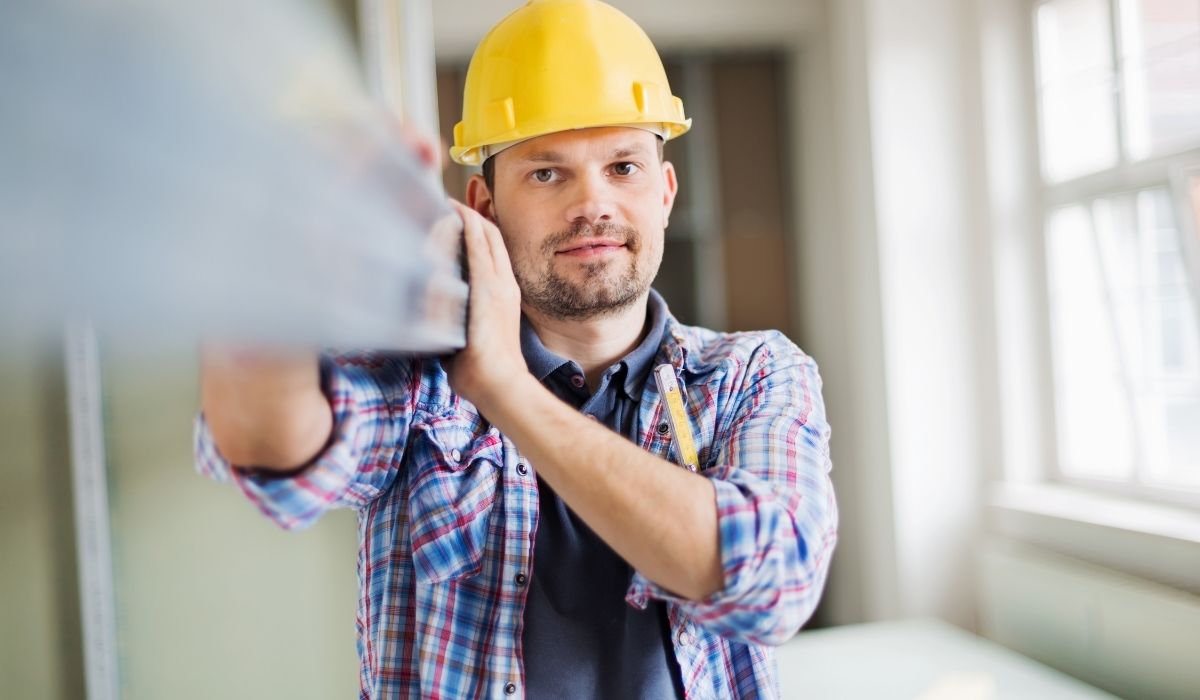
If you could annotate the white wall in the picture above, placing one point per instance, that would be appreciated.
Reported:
(40, 655)
(923, 58)
(839, 303)
(895, 266)
(214, 600)
(460, 24)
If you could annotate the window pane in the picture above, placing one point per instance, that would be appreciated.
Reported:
(1160, 54)
(1126, 342)
(1167, 383)
(1092, 407)
(1195, 192)
(1075, 85)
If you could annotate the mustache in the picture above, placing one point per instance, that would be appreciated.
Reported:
(580, 230)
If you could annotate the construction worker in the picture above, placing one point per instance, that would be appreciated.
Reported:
(529, 522)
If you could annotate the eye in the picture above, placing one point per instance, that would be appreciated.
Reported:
(625, 169)
(543, 175)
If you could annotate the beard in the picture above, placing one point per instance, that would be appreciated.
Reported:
(606, 287)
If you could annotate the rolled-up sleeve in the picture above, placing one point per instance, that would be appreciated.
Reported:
(373, 399)
(776, 512)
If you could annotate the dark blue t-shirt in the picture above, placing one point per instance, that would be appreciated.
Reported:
(582, 640)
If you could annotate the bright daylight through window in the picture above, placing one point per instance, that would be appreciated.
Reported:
(1118, 85)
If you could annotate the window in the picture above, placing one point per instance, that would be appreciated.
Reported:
(1118, 88)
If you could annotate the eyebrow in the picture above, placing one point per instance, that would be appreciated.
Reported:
(544, 157)
(556, 157)
(626, 151)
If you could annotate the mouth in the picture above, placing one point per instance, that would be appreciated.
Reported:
(592, 247)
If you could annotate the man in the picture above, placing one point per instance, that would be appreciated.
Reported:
(526, 528)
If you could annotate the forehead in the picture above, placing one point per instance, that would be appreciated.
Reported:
(578, 145)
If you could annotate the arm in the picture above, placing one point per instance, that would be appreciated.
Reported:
(264, 410)
(744, 548)
(659, 517)
(372, 401)
(775, 505)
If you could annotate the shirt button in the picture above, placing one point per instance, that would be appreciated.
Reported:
(455, 455)
(663, 428)
(510, 689)
(685, 639)
(578, 381)
(522, 469)
(521, 579)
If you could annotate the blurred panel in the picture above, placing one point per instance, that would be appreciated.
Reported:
(228, 174)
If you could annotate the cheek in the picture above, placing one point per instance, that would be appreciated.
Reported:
(653, 242)
(522, 251)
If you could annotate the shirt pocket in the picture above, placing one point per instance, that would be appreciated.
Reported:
(455, 484)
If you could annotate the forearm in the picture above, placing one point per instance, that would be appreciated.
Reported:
(659, 517)
(265, 410)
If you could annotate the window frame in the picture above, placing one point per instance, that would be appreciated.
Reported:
(1126, 177)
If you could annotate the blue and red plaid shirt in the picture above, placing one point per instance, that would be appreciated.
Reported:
(447, 519)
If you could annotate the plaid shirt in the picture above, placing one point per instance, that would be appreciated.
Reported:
(447, 520)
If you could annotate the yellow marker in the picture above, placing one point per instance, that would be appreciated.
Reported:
(685, 443)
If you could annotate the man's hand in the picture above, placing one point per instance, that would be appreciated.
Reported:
(492, 358)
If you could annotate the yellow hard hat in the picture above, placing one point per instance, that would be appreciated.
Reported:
(555, 65)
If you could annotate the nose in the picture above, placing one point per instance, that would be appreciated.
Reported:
(591, 200)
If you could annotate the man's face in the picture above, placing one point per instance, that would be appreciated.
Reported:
(583, 215)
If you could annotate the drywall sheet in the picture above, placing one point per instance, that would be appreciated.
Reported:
(174, 170)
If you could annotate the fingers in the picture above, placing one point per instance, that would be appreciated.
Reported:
(496, 245)
(426, 150)
(443, 241)
(480, 258)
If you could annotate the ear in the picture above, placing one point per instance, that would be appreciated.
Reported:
(480, 199)
(670, 189)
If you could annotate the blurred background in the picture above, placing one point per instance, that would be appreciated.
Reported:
(981, 217)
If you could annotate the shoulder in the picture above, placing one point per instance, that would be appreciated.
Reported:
(382, 365)
(413, 379)
(756, 351)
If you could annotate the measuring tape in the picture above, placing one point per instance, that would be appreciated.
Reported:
(93, 532)
(685, 443)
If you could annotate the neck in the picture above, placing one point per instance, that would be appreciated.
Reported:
(594, 343)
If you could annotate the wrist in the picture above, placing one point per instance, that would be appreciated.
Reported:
(495, 399)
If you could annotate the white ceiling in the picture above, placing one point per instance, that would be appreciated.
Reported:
(673, 24)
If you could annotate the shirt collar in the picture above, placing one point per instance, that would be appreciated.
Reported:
(543, 362)
(638, 362)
